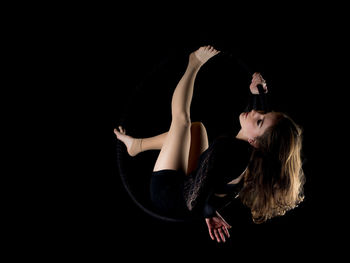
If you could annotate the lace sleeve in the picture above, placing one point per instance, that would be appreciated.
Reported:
(200, 184)
(194, 186)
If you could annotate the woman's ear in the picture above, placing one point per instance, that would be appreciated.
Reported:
(253, 142)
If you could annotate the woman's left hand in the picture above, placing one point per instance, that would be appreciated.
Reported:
(256, 80)
(218, 228)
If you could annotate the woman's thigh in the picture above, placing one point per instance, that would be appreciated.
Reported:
(182, 147)
(174, 154)
(199, 143)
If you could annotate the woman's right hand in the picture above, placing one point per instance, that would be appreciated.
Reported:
(256, 80)
(218, 228)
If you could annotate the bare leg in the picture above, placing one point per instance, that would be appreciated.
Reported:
(199, 142)
(174, 154)
(136, 145)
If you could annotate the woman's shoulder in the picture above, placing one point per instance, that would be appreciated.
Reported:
(229, 141)
(229, 153)
(223, 138)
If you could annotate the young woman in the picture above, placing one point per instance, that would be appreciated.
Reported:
(260, 164)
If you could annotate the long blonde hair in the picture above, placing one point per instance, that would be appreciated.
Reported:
(274, 179)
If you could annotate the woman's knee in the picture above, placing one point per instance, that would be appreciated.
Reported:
(198, 126)
(182, 119)
(199, 132)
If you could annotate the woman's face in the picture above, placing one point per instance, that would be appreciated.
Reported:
(254, 123)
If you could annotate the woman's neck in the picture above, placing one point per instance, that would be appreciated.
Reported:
(239, 178)
(241, 136)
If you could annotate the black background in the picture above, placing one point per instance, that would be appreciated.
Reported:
(86, 69)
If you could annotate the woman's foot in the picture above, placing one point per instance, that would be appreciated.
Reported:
(202, 55)
(132, 144)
